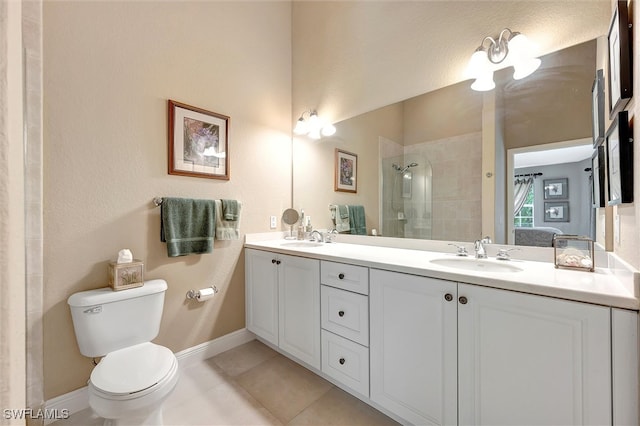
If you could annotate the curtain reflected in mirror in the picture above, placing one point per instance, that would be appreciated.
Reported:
(521, 191)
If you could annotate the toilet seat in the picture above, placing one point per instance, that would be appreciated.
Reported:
(134, 371)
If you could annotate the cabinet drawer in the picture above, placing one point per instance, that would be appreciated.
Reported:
(345, 313)
(346, 362)
(346, 277)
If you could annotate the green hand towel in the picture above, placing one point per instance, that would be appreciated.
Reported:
(357, 221)
(187, 226)
(230, 210)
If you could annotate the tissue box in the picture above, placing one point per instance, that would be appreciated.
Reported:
(126, 275)
(573, 252)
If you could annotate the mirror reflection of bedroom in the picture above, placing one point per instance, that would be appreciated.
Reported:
(551, 193)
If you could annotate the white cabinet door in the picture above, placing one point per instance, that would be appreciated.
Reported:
(413, 347)
(261, 299)
(624, 342)
(532, 360)
(299, 307)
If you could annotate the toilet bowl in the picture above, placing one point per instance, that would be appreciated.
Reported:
(129, 386)
(135, 376)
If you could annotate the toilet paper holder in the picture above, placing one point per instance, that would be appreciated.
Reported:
(195, 294)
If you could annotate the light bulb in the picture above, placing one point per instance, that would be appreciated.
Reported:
(328, 130)
(521, 51)
(314, 122)
(301, 127)
(520, 45)
(478, 64)
(525, 67)
(314, 134)
(484, 82)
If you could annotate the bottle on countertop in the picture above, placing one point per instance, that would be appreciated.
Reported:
(301, 227)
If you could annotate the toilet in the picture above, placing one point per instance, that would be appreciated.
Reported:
(134, 378)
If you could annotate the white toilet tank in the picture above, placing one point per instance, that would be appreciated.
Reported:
(105, 320)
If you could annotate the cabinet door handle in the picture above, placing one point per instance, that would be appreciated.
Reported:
(342, 361)
(448, 297)
(463, 300)
(341, 276)
(278, 262)
(340, 313)
(273, 261)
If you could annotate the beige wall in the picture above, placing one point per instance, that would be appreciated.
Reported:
(109, 69)
(444, 113)
(12, 259)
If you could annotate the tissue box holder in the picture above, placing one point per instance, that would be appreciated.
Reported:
(573, 252)
(126, 275)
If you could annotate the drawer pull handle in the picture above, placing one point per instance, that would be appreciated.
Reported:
(341, 276)
(463, 300)
(341, 313)
(448, 297)
(342, 361)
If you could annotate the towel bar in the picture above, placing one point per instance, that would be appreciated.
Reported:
(157, 201)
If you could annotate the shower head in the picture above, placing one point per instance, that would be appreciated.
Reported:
(403, 169)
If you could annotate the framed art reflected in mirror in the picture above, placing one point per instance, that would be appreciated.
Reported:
(620, 81)
(346, 172)
(555, 189)
(556, 211)
(619, 148)
(598, 182)
(597, 107)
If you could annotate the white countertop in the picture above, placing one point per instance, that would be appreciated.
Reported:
(601, 287)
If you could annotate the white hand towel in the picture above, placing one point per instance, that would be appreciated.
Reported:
(227, 229)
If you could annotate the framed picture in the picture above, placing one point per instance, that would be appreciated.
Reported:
(598, 178)
(198, 142)
(620, 82)
(346, 174)
(556, 188)
(556, 211)
(597, 108)
(619, 147)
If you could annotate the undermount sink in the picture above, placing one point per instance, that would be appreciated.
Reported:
(302, 244)
(472, 264)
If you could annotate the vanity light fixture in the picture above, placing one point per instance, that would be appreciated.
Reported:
(511, 49)
(313, 126)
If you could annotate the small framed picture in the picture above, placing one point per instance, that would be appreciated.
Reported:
(597, 108)
(198, 142)
(346, 172)
(555, 189)
(619, 149)
(556, 211)
(598, 178)
(620, 81)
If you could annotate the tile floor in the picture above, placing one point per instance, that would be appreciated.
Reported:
(254, 385)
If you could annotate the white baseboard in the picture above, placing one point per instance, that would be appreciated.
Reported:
(78, 399)
(213, 347)
(72, 402)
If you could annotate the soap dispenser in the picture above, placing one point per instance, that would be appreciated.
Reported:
(301, 227)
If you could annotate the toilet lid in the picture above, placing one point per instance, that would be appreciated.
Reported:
(133, 369)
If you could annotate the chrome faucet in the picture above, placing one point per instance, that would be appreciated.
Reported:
(462, 251)
(481, 253)
(330, 236)
(316, 236)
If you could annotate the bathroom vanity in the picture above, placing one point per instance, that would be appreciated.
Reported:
(430, 338)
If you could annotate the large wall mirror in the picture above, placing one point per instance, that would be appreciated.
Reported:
(439, 165)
